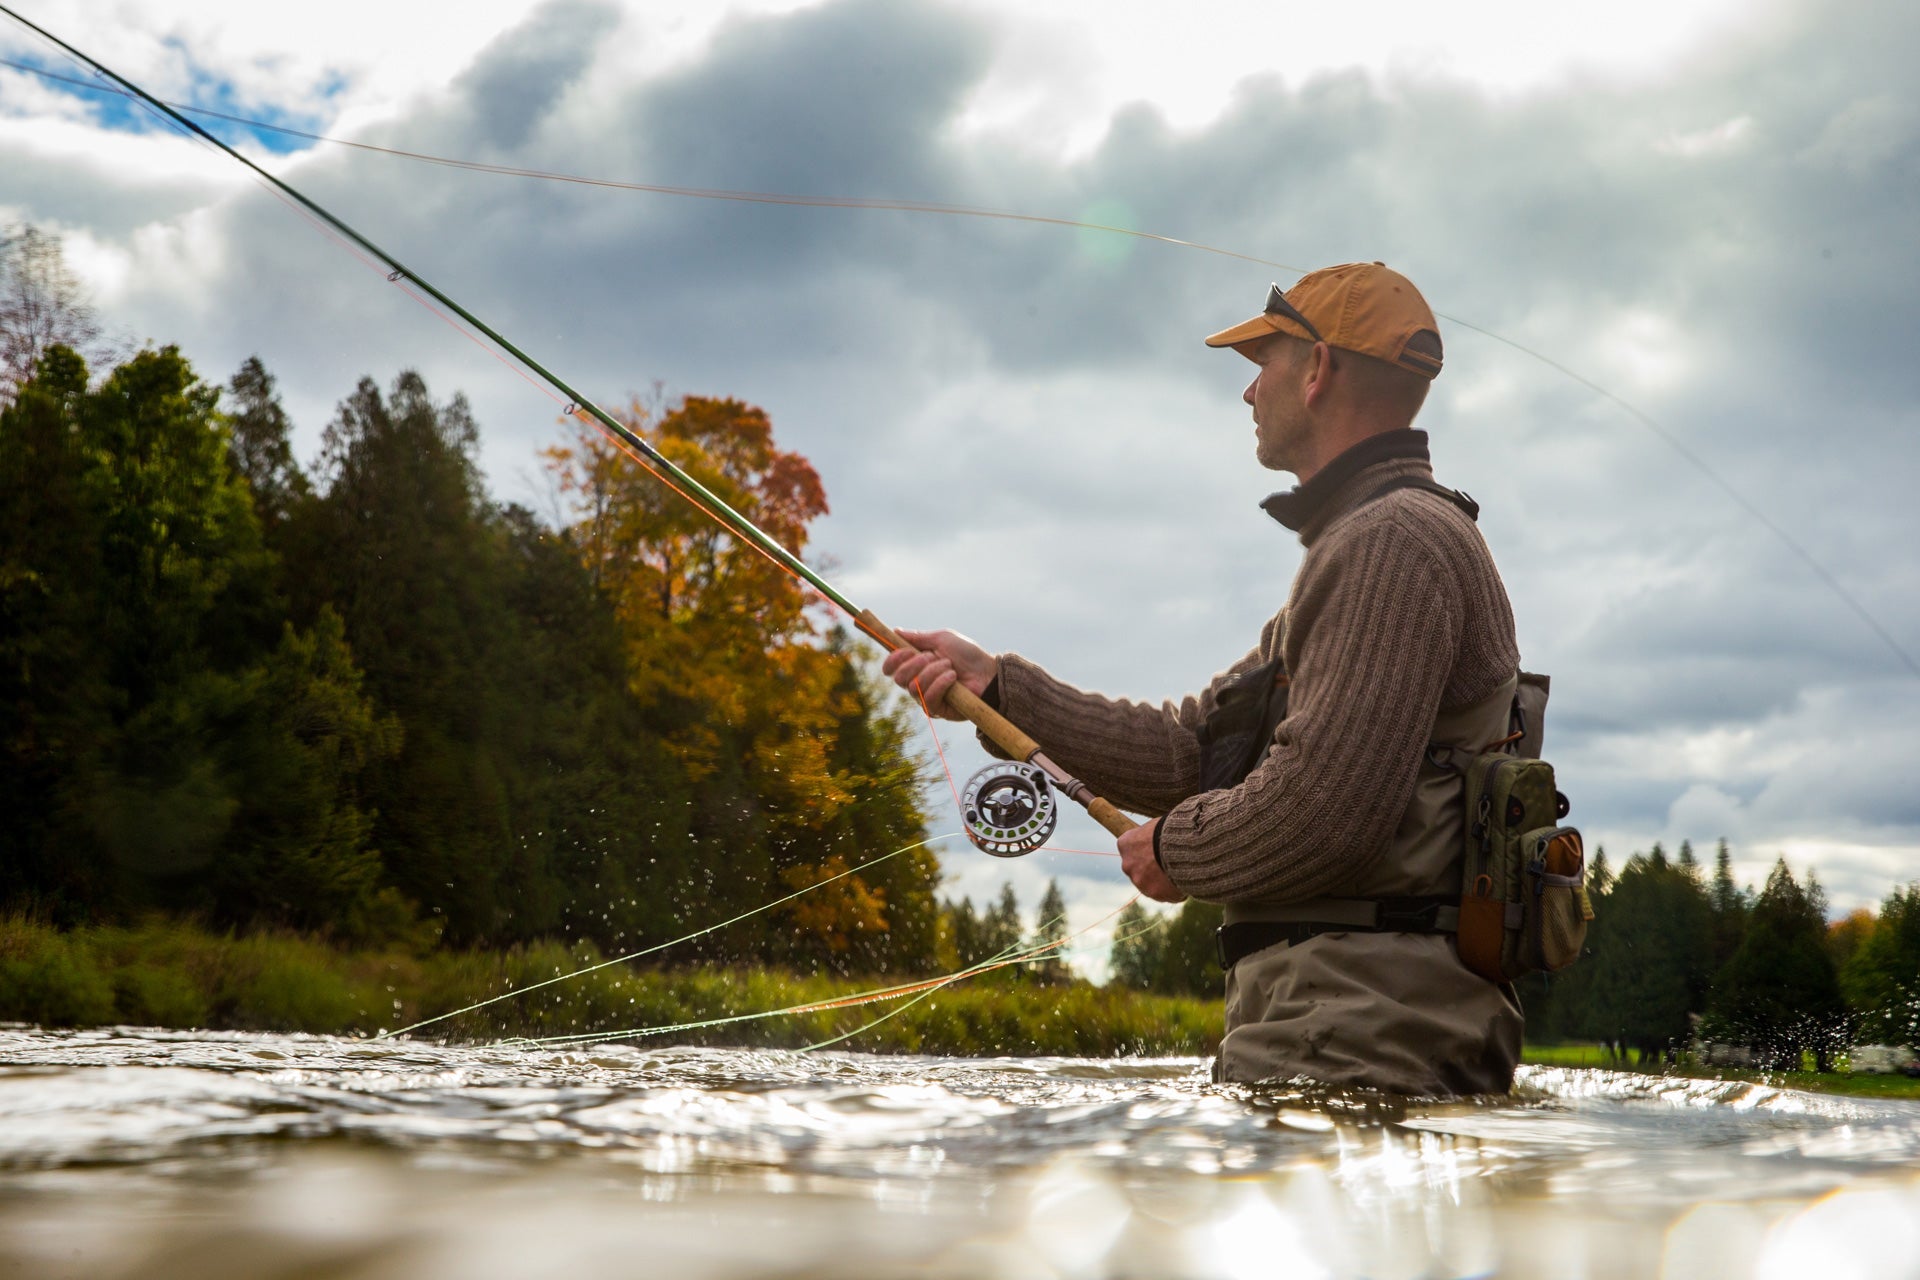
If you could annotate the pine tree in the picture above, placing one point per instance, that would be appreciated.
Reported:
(1779, 993)
(1729, 906)
(1049, 928)
(262, 445)
(1139, 937)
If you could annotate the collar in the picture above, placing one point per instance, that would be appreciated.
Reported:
(1297, 507)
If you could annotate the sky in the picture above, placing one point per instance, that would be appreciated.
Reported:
(1671, 246)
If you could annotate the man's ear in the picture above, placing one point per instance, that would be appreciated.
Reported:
(1319, 373)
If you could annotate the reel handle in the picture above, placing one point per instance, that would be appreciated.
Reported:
(1008, 736)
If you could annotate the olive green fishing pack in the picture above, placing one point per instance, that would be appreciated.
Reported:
(1523, 903)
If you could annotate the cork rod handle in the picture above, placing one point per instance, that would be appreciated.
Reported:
(1005, 733)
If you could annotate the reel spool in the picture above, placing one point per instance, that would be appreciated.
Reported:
(1009, 808)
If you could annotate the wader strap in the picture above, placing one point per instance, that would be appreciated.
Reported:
(1258, 928)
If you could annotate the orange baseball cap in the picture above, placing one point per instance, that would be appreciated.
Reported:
(1359, 306)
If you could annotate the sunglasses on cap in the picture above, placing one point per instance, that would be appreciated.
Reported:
(1277, 305)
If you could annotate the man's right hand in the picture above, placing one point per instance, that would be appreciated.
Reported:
(937, 659)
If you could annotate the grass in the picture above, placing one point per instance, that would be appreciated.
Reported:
(1837, 1082)
(171, 974)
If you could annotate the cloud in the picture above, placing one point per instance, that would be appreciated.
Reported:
(1021, 433)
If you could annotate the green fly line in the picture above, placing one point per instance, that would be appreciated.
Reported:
(700, 496)
(662, 946)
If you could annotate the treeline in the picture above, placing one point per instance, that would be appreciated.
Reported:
(1679, 957)
(1676, 958)
(364, 699)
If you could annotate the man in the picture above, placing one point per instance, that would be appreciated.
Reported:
(1311, 788)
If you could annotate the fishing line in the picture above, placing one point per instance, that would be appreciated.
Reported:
(1646, 420)
(662, 946)
(1012, 954)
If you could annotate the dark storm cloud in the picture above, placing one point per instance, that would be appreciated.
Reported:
(1023, 436)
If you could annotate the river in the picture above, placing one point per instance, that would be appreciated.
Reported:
(153, 1154)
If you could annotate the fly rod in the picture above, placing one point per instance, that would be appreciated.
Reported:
(1008, 807)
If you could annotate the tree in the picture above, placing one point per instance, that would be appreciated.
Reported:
(1050, 930)
(1190, 960)
(1650, 964)
(797, 757)
(1779, 993)
(1881, 978)
(42, 305)
(262, 445)
(1139, 938)
(1000, 930)
(169, 741)
(1729, 905)
(532, 794)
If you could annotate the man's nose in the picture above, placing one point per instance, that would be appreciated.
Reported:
(1247, 395)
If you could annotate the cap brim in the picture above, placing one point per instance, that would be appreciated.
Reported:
(1261, 326)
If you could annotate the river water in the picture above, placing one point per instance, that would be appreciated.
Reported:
(130, 1153)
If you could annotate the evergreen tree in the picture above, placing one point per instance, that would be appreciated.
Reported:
(532, 793)
(1650, 962)
(262, 445)
(963, 940)
(1729, 907)
(159, 717)
(1049, 928)
(1000, 930)
(1779, 993)
(1190, 959)
(1139, 937)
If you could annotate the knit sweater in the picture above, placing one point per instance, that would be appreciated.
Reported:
(1397, 613)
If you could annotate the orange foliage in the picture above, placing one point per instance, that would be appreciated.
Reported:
(836, 912)
(708, 619)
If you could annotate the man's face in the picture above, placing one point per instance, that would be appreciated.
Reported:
(1278, 401)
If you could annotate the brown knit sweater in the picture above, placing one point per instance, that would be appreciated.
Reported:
(1397, 612)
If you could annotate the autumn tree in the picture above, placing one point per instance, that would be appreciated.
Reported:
(802, 766)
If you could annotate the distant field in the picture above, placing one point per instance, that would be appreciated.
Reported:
(1859, 1086)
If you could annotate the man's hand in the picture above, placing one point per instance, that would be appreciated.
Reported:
(937, 660)
(1136, 859)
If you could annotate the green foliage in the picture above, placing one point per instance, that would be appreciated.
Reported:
(1138, 941)
(177, 975)
(1779, 992)
(1050, 930)
(1190, 958)
(154, 735)
(261, 447)
(1651, 959)
(1882, 978)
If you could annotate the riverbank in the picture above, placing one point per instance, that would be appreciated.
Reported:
(1862, 1085)
(166, 973)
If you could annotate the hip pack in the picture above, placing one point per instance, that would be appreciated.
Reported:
(1523, 903)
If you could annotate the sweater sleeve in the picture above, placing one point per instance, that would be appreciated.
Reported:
(1374, 640)
(1140, 756)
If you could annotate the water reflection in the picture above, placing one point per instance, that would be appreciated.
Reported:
(160, 1154)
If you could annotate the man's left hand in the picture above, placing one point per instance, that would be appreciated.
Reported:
(1136, 859)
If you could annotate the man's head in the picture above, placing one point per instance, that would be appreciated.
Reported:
(1348, 352)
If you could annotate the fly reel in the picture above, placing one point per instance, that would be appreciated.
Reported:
(1009, 808)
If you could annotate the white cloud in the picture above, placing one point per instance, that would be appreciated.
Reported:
(1026, 440)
